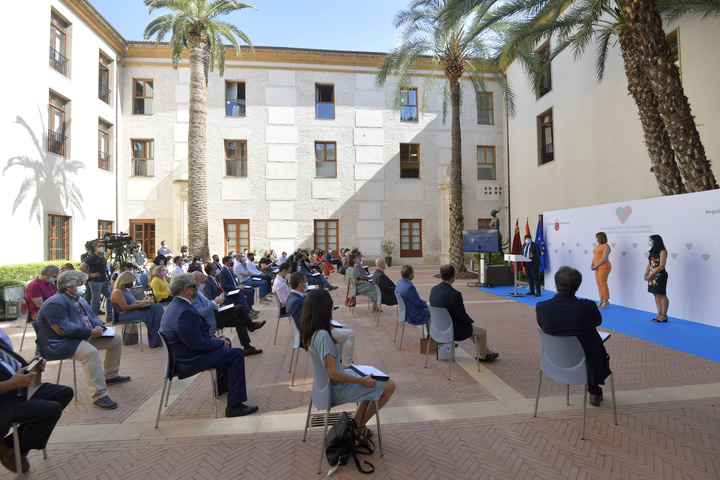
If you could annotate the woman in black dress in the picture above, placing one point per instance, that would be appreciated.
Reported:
(657, 276)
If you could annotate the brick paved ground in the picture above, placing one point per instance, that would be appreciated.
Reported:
(478, 425)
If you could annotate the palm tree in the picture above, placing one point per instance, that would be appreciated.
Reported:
(194, 24)
(676, 152)
(428, 46)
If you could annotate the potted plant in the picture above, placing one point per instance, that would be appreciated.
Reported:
(387, 247)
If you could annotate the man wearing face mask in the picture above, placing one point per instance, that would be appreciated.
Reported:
(40, 289)
(195, 350)
(532, 251)
(95, 267)
(67, 328)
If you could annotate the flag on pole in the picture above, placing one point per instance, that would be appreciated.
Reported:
(540, 240)
(516, 247)
(527, 232)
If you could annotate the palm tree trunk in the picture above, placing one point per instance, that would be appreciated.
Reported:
(662, 157)
(645, 26)
(199, 48)
(456, 205)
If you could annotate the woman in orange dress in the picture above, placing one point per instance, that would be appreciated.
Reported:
(602, 267)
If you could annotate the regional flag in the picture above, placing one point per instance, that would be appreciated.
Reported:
(516, 247)
(540, 240)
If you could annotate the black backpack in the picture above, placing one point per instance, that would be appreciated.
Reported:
(340, 444)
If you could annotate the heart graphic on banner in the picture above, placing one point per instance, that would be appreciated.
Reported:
(613, 245)
(562, 244)
(706, 256)
(635, 245)
(570, 252)
(689, 245)
(674, 255)
(556, 250)
(623, 213)
(594, 244)
(577, 244)
(647, 254)
(624, 253)
(549, 244)
(586, 252)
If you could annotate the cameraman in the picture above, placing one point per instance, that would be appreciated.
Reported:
(139, 258)
(95, 266)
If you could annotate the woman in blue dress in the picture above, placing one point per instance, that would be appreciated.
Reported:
(347, 386)
(128, 310)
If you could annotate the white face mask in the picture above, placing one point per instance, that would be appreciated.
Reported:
(527, 240)
(101, 249)
(52, 279)
(651, 244)
(80, 291)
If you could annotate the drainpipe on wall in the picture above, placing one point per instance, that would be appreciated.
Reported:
(117, 124)
(507, 149)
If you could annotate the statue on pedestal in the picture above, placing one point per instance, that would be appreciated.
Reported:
(495, 225)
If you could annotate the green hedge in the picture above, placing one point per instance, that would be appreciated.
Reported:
(25, 272)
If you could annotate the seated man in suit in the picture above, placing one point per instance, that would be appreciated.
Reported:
(443, 295)
(387, 287)
(416, 309)
(234, 316)
(565, 315)
(68, 328)
(195, 350)
(228, 283)
(245, 278)
(313, 278)
(344, 336)
(37, 415)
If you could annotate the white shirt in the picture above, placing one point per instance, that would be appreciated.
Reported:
(282, 259)
(253, 269)
(281, 289)
(177, 271)
(240, 272)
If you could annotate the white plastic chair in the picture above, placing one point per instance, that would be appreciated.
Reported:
(296, 348)
(401, 318)
(563, 360)
(379, 303)
(322, 398)
(170, 373)
(442, 331)
(279, 316)
(352, 288)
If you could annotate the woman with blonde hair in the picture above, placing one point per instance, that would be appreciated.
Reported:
(601, 265)
(159, 284)
(127, 309)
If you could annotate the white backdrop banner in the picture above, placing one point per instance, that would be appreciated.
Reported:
(690, 227)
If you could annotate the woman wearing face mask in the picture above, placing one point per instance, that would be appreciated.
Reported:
(601, 266)
(160, 286)
(95, 266)
(128, 310)
(656, 276)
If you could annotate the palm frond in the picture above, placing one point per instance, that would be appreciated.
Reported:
(675, 9)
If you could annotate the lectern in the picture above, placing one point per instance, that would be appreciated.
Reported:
(516, 258)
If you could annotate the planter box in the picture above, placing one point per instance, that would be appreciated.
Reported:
(499, 276)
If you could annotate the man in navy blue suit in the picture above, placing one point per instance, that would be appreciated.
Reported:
(532, 251)
(416, 309)
(195, 350)
(564, 315)
(246, 296)
(443, 295)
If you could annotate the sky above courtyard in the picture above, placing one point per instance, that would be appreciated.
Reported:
(324, 24)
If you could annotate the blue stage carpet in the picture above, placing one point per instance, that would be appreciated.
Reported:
(689, 337)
